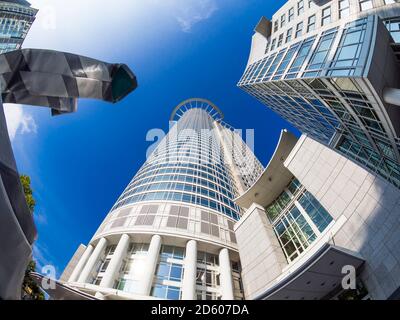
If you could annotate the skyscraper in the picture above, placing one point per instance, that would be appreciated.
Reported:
(331, 68)
(16, 18)
(170, 234)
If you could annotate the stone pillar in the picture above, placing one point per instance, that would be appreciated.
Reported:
(115, 263)
(146, 282)
(81, 263)
(225, 275)
(98, 251)
(190, 273)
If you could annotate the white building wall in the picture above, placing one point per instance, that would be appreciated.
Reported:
(260, 253)
(370, 205)
(366, 213)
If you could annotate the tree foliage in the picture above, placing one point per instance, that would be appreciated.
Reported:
(30, 290)
(26, 184)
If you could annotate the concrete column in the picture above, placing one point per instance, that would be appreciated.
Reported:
(190, 273)
(392, 96)
(98, 251)
(225, 275)
(115, 263)
(146, 282)
(81, 263)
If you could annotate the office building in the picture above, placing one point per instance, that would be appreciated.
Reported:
(316, 221)
(170, 234)
(331, 68)
(16, 18)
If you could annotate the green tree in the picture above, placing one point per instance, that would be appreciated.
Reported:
(26, 184)
(30, 290)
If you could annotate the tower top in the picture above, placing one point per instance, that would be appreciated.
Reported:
(20, 2)
(197, 103)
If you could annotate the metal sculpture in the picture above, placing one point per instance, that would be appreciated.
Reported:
(50, 79)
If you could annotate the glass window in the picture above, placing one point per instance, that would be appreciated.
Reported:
(349, 48)
(326, 16)
(344, 8)
(105, 265)
(173, 293)
(265, 67)
(297, 228)
(300, 7)
(299, 29)
(163, 270)
(289, 35)
(280, 40)
(275, 25)
(110, 249)
(294, 186)
(159, 291)
(283, 20)
(176, 272)
(294, 233)
(301, 56)
(275, 64)
(286, 60)
(179, 253)
(320, 54)
(393, 25)
(278, 206)
(311, 23)
(291, 14)
(316, 212)
(273, 44)
(366, 5)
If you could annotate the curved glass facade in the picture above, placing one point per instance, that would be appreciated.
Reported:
(298, 219)
(190, 165)
(170, 235)
(323, 85)
(16, 18)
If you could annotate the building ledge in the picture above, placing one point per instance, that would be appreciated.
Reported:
(61, 291)
(274, 178)
(317, 277)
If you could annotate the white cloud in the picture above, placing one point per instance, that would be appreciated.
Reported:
(40, 218)
(189, 12)
(40, 255)
(18, 120)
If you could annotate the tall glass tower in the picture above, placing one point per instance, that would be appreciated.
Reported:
(16, 18)
(170, 234)
(331, 68)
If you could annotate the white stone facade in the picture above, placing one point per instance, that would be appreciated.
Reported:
(365, 210)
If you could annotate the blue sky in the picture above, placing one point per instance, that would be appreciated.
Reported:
(80, 163)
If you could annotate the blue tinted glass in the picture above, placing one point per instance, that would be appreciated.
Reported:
(316, 212)
(163, 270)
(179, 253)
(301, 56)
(348, 52)
(352, 38)
(173, 293)
(159, 291)
(176, 272)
